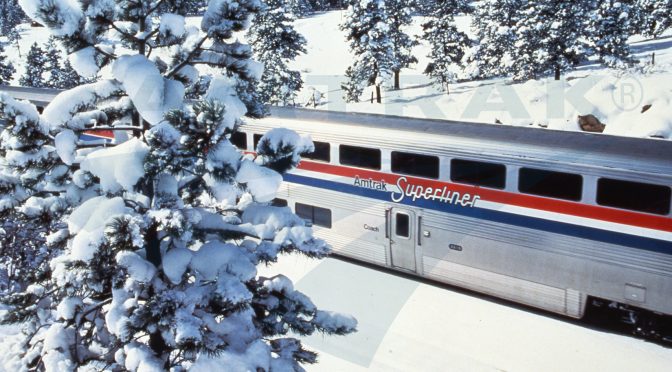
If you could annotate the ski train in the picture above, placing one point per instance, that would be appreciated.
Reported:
(549, 219)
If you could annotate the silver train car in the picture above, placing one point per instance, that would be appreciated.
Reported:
(543, 218)
(549, 219)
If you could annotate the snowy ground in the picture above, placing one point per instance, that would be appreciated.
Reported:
(409, 326)
(615, 97)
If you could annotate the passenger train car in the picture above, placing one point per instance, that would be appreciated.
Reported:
(550, 219)
(540, 217)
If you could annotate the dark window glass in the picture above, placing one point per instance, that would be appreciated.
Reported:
(304, 211)
(239, 139)
(257, 138)
(636, 196)
(322, 152)
(316, 215)
(322, 217)
(360, 157)
(402, 225)
(415, 164)
(552, 184)
(277, 202)
(478, 173)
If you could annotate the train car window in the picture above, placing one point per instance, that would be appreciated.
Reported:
(257, 138)
(636, 196)
(315, 215)
(478, 173)
(322, 217)
(322, 152)
(402, 224)
(558, 185)
(360, 157)
(415, 164)
(304, 211)
(278, 202)
(239, 139)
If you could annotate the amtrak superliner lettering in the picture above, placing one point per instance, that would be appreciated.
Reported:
(442, 194)
(415, 192)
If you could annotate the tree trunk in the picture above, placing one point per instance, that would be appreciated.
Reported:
(557, 72)
(396, 80)
(653, 58)
(379, 98)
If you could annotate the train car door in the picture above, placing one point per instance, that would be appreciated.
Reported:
(402, 238)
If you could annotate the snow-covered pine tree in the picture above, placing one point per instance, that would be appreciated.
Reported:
(551, 37)
(163, 232)
(400, 16)
(609, 28)
(300, 8)
(30, 172)
(68, 78)
(35, 68)
(654, 16)
(7, 69)
(52, 66)
(494, 23)
(276, 43)
(12, 15)
(447, 43)
(367, 29)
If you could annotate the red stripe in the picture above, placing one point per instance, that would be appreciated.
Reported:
(527, 201)
(100, 133)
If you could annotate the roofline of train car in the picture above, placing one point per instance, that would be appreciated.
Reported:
(650, 148)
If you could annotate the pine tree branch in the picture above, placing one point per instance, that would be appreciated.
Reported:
(187, 60)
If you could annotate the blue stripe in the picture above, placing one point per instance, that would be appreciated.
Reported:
(584, 232)
(87, 138)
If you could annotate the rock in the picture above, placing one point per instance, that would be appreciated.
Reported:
(497, 121)
(646, 108)
(589, 123)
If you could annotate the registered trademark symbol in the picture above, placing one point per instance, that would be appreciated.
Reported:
(628, 94)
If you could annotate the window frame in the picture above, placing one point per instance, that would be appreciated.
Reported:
(379, 162)
(667, 207)
(405, 153)
(504, 173)
(551, 172)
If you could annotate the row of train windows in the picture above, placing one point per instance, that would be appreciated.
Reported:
(636, 196)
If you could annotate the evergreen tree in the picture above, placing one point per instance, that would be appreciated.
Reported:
(12, 16)
(68, 78)
(399, 13)
(494, 23)
(161, 233)
(275, 43)
(367, 29)
(447, 43)
(551, 38)
(609, 29)
(655, 16)
(35, 68)
(6, 68)
(52, 66)
(300, 8)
